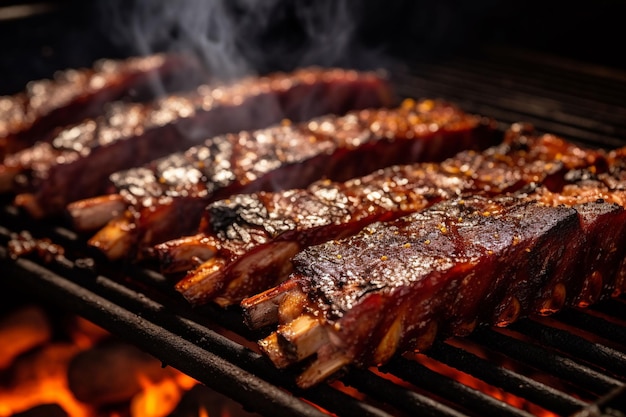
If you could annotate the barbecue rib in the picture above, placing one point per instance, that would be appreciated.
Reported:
(246, 242)
(74, 95)
(167, 198)
(458, 264)
(78, 162)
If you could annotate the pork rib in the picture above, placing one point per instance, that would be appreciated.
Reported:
(444, 270)
(73, 95)
(173, 192)
(78, 162)
(246, 242)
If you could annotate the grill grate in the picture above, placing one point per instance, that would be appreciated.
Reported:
(576, 103)
(569, 364)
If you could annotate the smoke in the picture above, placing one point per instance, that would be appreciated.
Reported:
(238, 37)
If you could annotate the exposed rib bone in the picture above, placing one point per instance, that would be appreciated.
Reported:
(302, 337)
(322, 368)
(262, 309)
(7, 178)
(232, 280)
(114, 238)
(274, 351)
(203, 278)
(29, 203)
(185, 253)
(292, 305)
(94, 213)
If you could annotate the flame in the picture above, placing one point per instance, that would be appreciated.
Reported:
(84, 333)
(42, 380)
(158, 399)
(34, 369)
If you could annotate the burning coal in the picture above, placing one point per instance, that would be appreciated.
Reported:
(67, 366)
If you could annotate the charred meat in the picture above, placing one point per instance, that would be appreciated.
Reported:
(76, 164)
(74, 95)
(166, 199)
(460, 263)
(246, 242)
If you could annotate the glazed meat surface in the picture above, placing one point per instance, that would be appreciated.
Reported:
(77, 163)
(442, 271)
(246, 242)
(73, 95)
(165, 200)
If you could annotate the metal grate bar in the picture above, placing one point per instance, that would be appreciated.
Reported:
(610, 405)
(190, 326)
(520, 385)
(199, 363)
(568, 92)
(421, 87)
(546, 360)
(519, 96)
(401, 398)
(603, 358)
(612, 307)
(606, 88)
(595, 325)
(445, 387)
(188, 345)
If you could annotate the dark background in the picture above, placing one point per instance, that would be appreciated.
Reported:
(74, 33)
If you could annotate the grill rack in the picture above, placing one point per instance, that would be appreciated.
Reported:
(163, 325)
(586, 375)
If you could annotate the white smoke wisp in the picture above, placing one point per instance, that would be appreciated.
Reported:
(330, 29)
(238, 37)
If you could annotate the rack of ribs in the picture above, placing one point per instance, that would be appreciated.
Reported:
(472, 260)
(245, 242)
(76, 164)
(76, 94)
(165, 200)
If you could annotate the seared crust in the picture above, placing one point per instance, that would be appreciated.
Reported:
(242, 228)
(444, 270)
(288, 156)
(73, 95)
(76, 164)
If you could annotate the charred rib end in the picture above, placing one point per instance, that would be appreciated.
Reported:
(185, 253)
(116, 239)
(201, 285)
(7, 178)
(263, 309)
(30, 203)
(94, 213)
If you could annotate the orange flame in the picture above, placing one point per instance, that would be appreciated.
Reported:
(42, 380)
(158, 399)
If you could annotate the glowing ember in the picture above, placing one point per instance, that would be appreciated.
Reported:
(156, 399)
(41, 378)
(37, 369)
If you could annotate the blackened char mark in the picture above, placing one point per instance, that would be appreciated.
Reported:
(292, 155)
(332, 210)
(443, 271)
